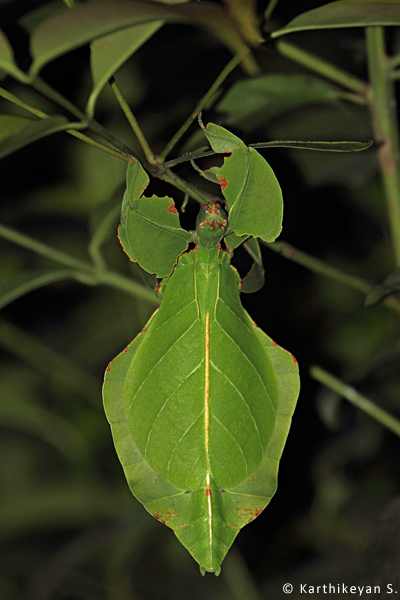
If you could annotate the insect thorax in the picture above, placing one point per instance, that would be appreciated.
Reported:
(211, 225)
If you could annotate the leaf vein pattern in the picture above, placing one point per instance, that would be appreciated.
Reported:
(234, 439)
(174, 230)
(244, 401)
(171, 318)
(190, 471)
(166, 402)
(249, 361)
(162, 358)
(181, 438)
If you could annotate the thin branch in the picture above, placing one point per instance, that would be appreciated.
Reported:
(321, 268)
(357, 399)
(269, 10)
(215, 86)
(187, 188)
(322, 67)
(382, 100)
(84, 271)
(132, 120)
(46, 90)
(38, 113)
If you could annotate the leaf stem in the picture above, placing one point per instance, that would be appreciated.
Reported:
(18, 102)
(270, 8)
(357, 399)
(132, 120)
(84, 271)
(321, 268)
(38, 113)
(49, 92)
(201, 104)
(189, 156)
(187, 188)
(322, 67)
(393, 62)
(382, 102)
(88, 140)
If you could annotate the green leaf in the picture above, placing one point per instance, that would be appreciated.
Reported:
(15, 286)
(253, 102)
(221, 140)
(253, 195)
(328, 123)
(30, 21)
(20, 132)
(7, 62)
(200, 406)
(254, 280)
(150, 232)
(87, 22)
(109, 52)
(321, 146)
(345, 13)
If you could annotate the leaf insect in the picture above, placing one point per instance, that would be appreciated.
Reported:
(200, 403)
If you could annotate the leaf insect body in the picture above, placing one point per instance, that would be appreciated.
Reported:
(200, 403)
(210, 431)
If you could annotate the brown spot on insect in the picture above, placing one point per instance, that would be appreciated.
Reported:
(274, 343)
(125, 349)
(180, 526)
(108, 367)
(208, 491)
(144, 329)
(223, 182)
(250, 513)
(293, 359)
(172, 209)
(158, 517)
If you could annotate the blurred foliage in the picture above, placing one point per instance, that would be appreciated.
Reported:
(69, 527)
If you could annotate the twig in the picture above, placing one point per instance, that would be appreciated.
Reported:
(382, 102)
(360, 401)
(318, 266)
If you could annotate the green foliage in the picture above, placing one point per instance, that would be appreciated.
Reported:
(345, 13)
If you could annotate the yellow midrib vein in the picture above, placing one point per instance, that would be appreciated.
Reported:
(207, 423)
(207, 387)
